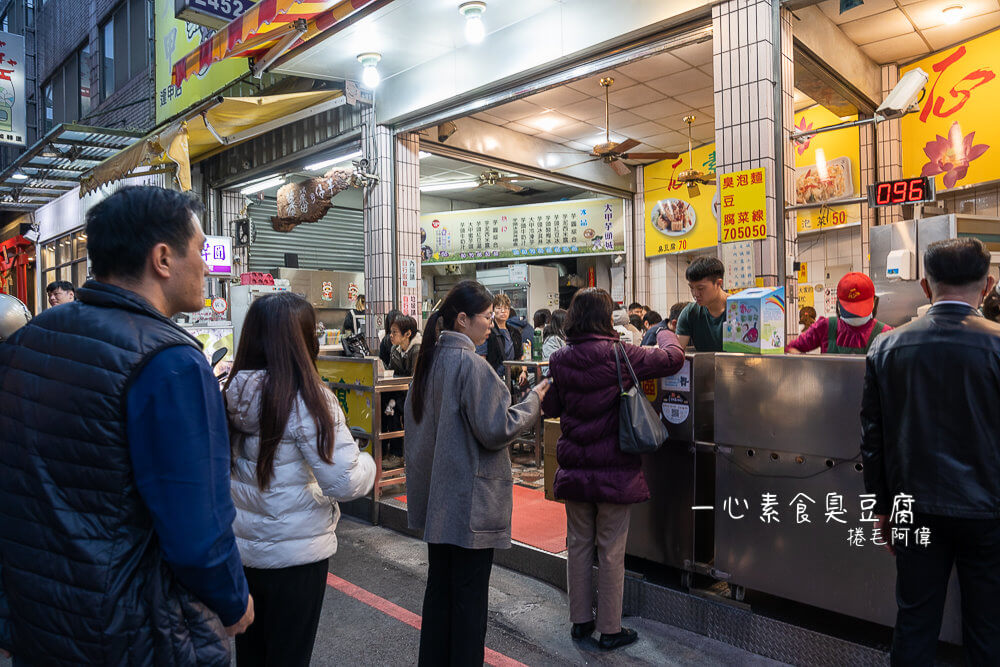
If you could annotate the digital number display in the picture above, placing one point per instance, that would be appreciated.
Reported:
(904, 191)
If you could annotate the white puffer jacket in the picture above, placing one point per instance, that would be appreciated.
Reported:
(293, 521)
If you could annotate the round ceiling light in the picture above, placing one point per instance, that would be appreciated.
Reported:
(370, 78)
(475, 31)
(952, 14)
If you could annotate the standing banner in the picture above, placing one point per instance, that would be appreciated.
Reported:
(174, 38)
(13, 101)
(955, 135)
(675, 220)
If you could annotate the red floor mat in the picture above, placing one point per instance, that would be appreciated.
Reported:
(537, 522)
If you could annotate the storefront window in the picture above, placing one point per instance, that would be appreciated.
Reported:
(65, 258)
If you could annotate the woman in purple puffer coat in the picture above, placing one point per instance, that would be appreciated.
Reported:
(597, 481)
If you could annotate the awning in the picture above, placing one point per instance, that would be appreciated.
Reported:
(224, 122)
(265, 31)
(54, 164)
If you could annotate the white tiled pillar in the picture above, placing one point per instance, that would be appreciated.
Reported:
(378, 214)
(745, 117)
(639, 289)
(868, 177)
(890, 147)
(408, 217)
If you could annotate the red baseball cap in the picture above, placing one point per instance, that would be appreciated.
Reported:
(856, 294)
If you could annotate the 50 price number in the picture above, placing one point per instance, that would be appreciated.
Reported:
(745, 232)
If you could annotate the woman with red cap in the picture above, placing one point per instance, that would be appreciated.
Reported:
(852, 330)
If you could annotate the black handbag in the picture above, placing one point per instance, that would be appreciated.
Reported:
(640, 430)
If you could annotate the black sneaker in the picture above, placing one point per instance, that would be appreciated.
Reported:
(617, 640)
(582, 631)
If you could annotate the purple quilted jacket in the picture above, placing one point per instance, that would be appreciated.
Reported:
(585, 398)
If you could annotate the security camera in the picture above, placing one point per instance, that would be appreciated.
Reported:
(904, 95)
(445, 130)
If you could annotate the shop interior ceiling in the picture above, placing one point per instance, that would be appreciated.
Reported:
(897, 31)
(436, 169)
(648, 102)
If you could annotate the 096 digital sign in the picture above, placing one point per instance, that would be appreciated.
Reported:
(902, 191)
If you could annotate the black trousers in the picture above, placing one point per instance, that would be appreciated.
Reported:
(922, 573)
(287, 603)
(455, 606)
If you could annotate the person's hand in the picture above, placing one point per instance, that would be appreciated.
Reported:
(885, 529)
(244, 623)
(542, 388)
(522, 379)
(4, 654)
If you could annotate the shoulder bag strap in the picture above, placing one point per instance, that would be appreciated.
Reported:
(635, 380)
(618, 367)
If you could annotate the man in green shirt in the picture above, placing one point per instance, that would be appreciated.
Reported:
(701, 322)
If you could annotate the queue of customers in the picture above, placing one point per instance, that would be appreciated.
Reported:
(206, 513)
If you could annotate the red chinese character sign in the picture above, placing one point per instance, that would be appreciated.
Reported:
(13, 109)
(743, 205)
(954, 135)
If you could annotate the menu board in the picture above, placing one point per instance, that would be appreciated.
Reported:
(676, 220)
(827, 169)
(567, 228)
(744, 205)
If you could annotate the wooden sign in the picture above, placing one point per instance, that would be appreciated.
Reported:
(309, 200)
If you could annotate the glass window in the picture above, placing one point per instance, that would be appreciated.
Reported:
(80, 243)
(108, 58)
(84, 76)
(138, 32)
(79, 273)
(48, 121)
(5, 21)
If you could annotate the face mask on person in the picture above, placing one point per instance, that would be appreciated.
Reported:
(855, 321)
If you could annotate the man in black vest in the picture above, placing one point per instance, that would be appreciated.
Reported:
(931, 451)
(115, 513)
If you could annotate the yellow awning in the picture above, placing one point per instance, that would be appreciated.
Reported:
(231, 121)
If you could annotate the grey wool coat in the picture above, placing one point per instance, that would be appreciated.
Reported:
(458, 479)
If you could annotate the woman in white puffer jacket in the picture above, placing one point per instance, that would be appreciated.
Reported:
(293, 458)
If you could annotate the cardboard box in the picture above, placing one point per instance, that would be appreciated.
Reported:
(755, 321)
(550, 434)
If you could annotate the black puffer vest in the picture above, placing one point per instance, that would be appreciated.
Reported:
(80, 565)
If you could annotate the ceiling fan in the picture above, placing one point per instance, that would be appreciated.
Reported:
(494, 177)
(612, 153)
(693, 177)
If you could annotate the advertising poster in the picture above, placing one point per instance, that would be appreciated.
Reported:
(174, 40)
(567, 228)
(675, 220)
(827, 168)
(955, 135)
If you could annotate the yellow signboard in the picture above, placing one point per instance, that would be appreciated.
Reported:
(174, 39)
(827, 168)
(676, 221)
(743, 205)
(347, 380)
(955, 136)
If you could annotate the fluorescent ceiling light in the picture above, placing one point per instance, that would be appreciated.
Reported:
(454, 185)
(262, 185)
(18, 176)
(337, 160)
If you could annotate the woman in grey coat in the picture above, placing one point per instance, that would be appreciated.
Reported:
(459, 422)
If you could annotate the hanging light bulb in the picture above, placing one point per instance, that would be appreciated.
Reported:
(475, 31)
(370, 77)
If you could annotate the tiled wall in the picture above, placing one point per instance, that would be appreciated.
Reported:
(890, 147)
(667, 284)
(635, 247)
(745, 116)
